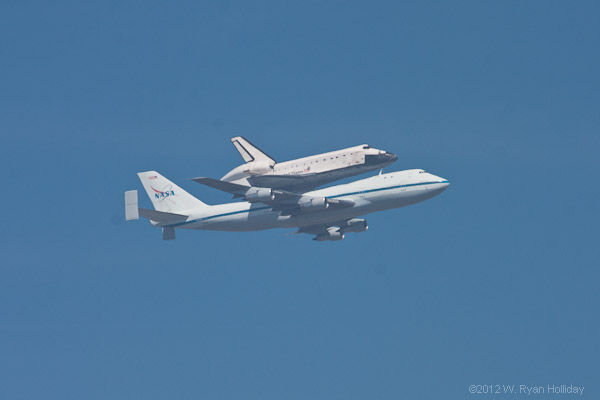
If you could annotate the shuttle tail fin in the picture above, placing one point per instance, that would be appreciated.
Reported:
(249, 152)
(167, 196)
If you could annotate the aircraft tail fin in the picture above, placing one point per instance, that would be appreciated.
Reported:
(249, 152)
(167, 196)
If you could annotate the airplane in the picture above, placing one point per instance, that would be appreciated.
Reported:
(327, 213)
(306, 173)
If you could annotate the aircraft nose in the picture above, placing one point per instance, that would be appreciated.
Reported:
(443, 183)
(437, 183)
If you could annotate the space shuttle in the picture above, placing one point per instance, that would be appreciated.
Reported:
(303, 174)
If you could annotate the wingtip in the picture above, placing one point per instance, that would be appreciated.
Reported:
(197, 179)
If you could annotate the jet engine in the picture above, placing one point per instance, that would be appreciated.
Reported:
(259, 167)
(330, 235)
(313, 204)
(356, 225)
(254, 195)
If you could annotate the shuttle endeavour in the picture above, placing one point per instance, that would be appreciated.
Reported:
(304, 173)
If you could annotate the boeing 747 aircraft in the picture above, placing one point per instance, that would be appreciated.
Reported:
(327, 213)
(305, 173)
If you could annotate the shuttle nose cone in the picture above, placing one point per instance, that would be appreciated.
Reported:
(391, 156)
(382, 159)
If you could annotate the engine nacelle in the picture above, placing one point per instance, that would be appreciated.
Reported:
(258, 167)
(314, 204)
(356, 225)
(254, 195)
(331, 235)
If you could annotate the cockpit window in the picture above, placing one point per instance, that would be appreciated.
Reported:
(366, 147)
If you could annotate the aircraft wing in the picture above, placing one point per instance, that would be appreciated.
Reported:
(250, 192)
(289, 203)
(320, 229)
(334, 230)
(224, 186)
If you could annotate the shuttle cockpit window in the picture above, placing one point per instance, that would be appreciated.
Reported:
(366, 147)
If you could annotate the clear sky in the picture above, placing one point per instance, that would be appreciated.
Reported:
(493, 282)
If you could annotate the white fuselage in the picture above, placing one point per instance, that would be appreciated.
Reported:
(381, 192)
(316, 170)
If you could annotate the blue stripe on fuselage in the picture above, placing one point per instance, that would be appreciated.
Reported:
(331, 197)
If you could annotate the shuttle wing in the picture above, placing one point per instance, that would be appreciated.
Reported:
(280, 181)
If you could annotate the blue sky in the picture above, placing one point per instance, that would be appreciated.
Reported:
(493, 282)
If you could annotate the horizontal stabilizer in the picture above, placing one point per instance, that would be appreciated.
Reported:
(160, 216)
(131, 205)
(222, 185)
